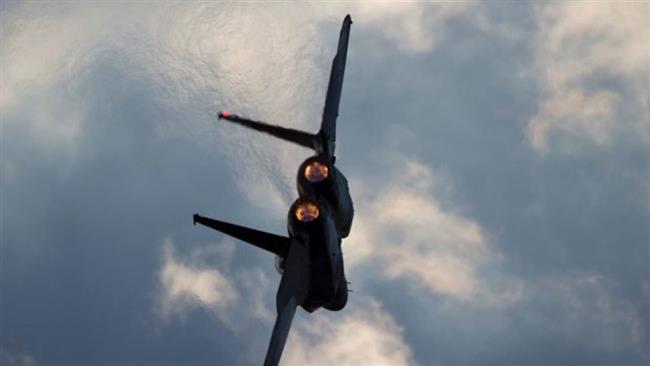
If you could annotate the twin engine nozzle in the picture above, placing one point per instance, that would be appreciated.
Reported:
(316, 171)
(307, 208)
(313, 171)
(305, 214)
(306, 211)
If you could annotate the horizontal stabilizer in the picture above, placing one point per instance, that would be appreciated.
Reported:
(276, 244)
(301, 138)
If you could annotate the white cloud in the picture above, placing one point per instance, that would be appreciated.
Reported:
(414, 26)
(261, 66)
(186, 286)
(47, 54)
(364, 334)
(325, 339)
(257, 288)
(260, 61)
(594, 69)
(405, 226)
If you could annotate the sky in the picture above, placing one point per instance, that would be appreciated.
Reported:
(498, 155)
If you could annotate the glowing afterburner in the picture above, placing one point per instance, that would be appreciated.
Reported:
(307, 212)
(316, 172)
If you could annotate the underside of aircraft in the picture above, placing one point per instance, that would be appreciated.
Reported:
(310, 257)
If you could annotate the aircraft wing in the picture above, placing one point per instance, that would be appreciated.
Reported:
(333, 98)
(291, 293)
(276, 244)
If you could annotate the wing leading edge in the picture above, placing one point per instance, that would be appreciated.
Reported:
(291, 294)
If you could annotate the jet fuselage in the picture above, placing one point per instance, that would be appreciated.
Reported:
(311, 261)
(328, 191)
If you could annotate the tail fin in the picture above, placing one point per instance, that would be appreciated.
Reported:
(324, 142)
(333, 98)
(305, 139)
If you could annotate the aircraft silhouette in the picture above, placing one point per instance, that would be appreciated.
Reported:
(311, 261)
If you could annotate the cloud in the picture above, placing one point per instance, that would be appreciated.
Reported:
(325, 338)
(407, 227)
(361, 335)
(115, 78)
(414, 26)
(226, 71)
(206, 58)
(592, 61)
(48, 52)
(186, 286)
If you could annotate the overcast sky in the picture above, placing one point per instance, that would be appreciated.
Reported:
(498, 155)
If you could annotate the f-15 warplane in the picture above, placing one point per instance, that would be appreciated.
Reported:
(310, 257)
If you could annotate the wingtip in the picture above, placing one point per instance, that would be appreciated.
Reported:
(194, 217)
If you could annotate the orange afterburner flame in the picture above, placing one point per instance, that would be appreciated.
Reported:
(307, 212)
(316, 172)
(225, 114)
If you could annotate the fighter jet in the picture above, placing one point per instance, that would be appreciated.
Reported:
(310, 257)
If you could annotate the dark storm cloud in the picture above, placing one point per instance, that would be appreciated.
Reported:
(117, 166)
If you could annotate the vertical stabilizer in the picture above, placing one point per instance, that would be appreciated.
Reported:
(333, 98)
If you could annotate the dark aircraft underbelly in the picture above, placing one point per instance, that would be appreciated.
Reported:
(327, 286)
